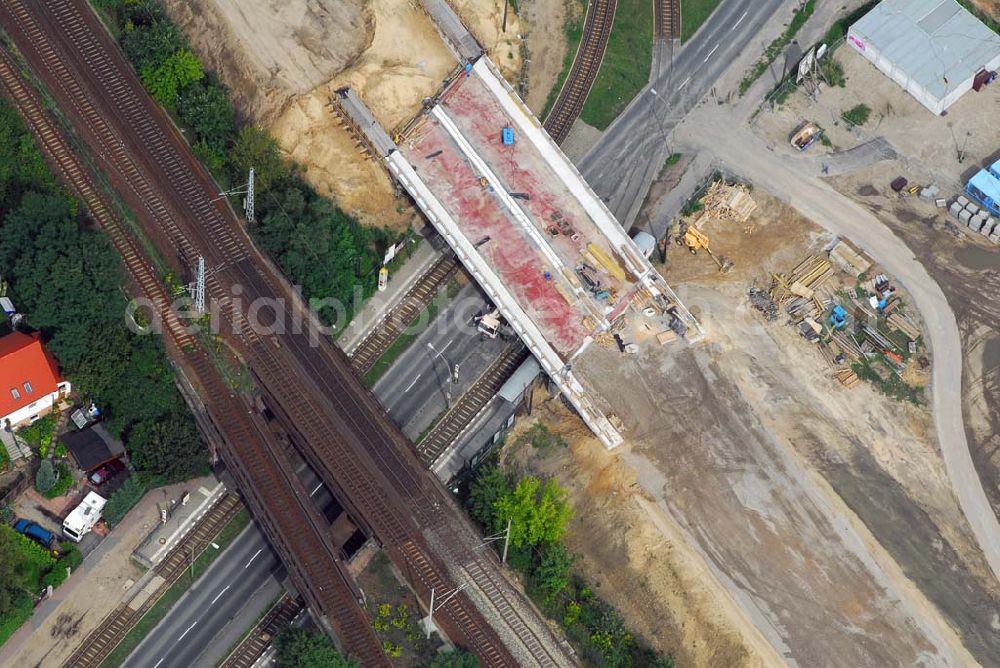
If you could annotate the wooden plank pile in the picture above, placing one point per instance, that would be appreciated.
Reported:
(729, 202)
(847, 377)
(903, 324)
(796, 292)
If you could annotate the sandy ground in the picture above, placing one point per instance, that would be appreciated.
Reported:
(545, 39)
(815, 507)
(634, 560)
(284, 77)
(926, 142)
(965, 265)
(94, 590)
(269, 50)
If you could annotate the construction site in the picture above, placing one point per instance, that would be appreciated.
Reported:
(752, 458)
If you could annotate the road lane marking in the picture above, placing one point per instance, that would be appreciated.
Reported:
(410, 386)
(447, 344)
(714, 49)
(157, 665)
(255, 555)
(681, 87)
(219, 595)
(188, 631)
(316, 489)
(736, 25)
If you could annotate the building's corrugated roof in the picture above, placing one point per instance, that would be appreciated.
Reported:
(27, 372)
(520, 379)
(936, 43)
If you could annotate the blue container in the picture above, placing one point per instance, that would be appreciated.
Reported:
(507, 136)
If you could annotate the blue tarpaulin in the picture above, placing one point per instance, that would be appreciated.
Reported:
(984, 187)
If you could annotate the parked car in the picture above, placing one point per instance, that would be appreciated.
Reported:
(32, 530)
(106, 472)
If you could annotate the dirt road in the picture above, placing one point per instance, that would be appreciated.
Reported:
(745, 154)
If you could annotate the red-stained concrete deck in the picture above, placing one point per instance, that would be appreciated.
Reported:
(511, 251)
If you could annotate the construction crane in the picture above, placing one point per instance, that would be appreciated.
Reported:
(696, 240)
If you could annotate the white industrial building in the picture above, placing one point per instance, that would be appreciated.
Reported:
(932, 48)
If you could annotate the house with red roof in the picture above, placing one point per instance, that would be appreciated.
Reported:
(30, 382)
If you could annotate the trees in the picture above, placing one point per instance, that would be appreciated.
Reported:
(165, 80)
(254, 147)
(551, 571)
(298, 648)
(45, 478)
(538, 512)
(490, 485)
(205, 108)
(150, 44)
(169, 446)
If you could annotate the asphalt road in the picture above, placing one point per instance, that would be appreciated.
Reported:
(216, 597)
(622, 165)
(414, 390)
(242, 576)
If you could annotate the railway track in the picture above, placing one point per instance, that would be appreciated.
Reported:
(472, 402)
(667, 19)
(260, 637)
(113, 629)
(586, 64)
(278, 513)
(366, 353)
(339, 426)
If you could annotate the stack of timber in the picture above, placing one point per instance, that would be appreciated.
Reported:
(847, 377)
(901, 323)
(729, 202)
(796, 291)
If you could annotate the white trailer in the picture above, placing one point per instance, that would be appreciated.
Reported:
(84, 517)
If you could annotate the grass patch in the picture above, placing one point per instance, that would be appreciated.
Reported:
(408, 336)
(891, 385)
(693, 14)
(832, 71)
(573, 30)
(775, 48)
(838, 30)
(857, 115)
(177, 590)
(627, 61)
(669, 162)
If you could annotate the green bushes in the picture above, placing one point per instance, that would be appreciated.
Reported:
(67, 279)
(857, 115)
(300, 648)
(64, 480)
(126, 496)
(539, 513)
(318, 246)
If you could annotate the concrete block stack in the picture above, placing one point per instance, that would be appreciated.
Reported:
(971, 215)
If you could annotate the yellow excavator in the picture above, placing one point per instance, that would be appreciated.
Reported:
(696, 240)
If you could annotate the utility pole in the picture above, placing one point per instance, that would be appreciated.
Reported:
(248, 201)
(429, 626)
(505, 534)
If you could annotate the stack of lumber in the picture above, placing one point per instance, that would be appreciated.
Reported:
(729, 202)
(796, 291)
(903, 324)
(847, 377)
(848, 345)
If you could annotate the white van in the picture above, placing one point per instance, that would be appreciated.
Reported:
(84, 517)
